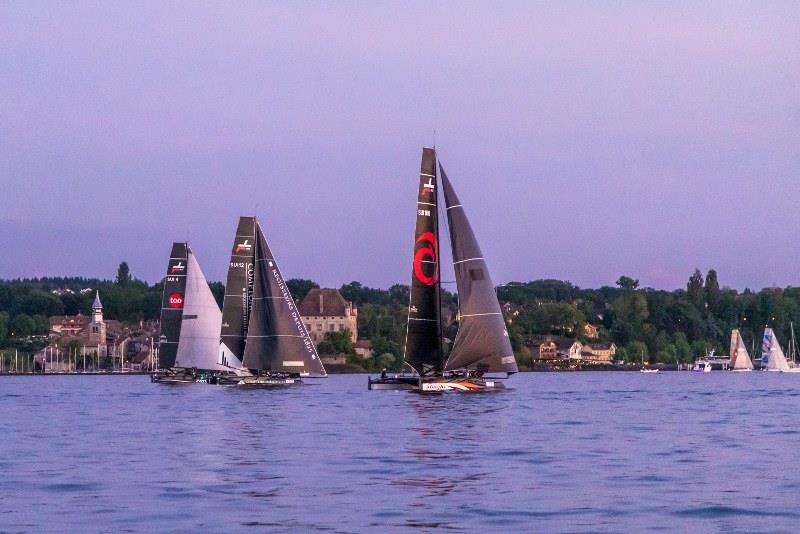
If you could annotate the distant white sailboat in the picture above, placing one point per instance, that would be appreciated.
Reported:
(740, 359)
(772, 357)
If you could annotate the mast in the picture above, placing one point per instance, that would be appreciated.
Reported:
(238, 291)
(277, 339)
(423, 348)
(172, 299)
(482, 342)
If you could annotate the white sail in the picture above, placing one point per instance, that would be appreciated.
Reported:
(772, 357)
(740, 359)
(198, 344)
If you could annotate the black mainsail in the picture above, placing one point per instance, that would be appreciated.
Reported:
(423, 350)
(277, 340)
(238, 290)
(482, 341)
(172, 305)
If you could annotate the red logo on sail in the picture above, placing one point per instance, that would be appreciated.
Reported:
(243, 247)
(427, 188)
(177, 268)
(426, 254)
(176, 300)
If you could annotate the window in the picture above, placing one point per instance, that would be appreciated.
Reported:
(319, 327)
(332, 327)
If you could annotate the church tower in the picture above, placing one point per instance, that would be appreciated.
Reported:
(97, 328)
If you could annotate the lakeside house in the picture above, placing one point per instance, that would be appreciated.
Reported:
(558, 348)
(599, 352)
(326, 310)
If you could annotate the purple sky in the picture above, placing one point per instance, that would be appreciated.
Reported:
(586, 140)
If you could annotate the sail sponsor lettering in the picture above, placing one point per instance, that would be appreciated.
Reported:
(173, 279)
(176, 300)
(298, 322)
(238, 265)
(424, 213)
(426, 253)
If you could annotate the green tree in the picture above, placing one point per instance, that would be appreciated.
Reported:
(627, 283)
(637, 351)
(683, 350)
(22, 326)
(340, 341)
(123, 274)
(4, 323)
(712, 293)
(299, 287)
(694, 288)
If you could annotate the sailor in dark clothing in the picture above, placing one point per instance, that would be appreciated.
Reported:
(383, 373)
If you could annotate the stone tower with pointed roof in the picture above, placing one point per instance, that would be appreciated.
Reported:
(97, 327)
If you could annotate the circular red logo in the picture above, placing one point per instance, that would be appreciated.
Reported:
(426, 253)
(176, 300)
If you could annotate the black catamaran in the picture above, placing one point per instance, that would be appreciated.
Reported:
(190, 319)
(481, 344)
(261, 326)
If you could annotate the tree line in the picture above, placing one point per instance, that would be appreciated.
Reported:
(659, 325)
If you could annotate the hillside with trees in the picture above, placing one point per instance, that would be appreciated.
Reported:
(663, 325)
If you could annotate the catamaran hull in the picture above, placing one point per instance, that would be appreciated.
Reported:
(167, 379)
(460, 385)
(395, 383)
(266, 381)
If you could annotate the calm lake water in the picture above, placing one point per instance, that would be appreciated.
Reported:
(560, 452)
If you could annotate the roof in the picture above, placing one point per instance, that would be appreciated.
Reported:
(601, 346)
(320, 302)
(69, 320)
(363, 344)
(97, 304)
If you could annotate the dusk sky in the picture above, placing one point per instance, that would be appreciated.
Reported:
(586, 140)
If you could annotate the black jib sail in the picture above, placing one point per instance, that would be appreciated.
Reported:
(423, 350)
(172, 305)
(238, 290)
(482, 341)
(277, 340)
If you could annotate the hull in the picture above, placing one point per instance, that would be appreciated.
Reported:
(181, 378)
(393, 383)
(264, 381)
(791, 370)
(741, 370)
(459, 385)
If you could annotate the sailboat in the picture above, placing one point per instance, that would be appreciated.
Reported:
(190, 320)
(261, 326)
(772, 357)
(482, 344)
(740, 359)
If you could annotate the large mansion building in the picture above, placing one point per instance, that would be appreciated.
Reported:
(326, 310)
